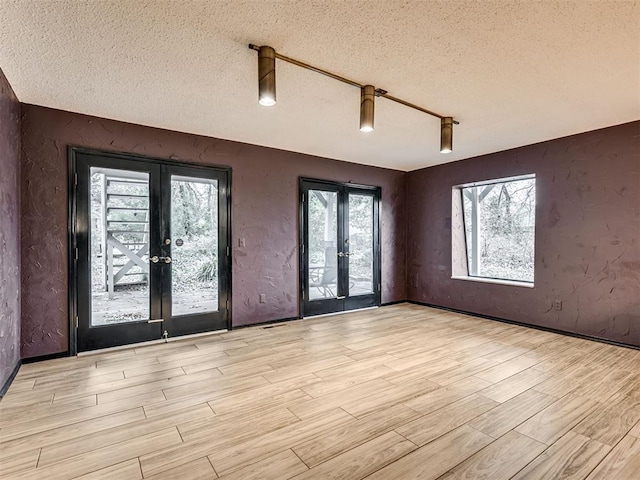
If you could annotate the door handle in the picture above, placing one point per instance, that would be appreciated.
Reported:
(156, 259)
(343, 254)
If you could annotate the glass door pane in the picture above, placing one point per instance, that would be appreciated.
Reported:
(119, 246)
(361, 244)
(323, 244)
(194, 248)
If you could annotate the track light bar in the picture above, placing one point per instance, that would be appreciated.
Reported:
(267, 93)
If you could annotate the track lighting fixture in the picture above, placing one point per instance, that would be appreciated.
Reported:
(267, 76)
(367, 105)
(267, 94)
(446, 135)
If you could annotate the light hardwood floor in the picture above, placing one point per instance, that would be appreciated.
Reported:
(401, 392)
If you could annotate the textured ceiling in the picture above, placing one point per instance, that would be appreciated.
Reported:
(513, 73)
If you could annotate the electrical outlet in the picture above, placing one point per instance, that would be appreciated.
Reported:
(557, 304)
(242, 243)
(263, 298)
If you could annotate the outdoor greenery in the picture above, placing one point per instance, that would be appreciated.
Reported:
(361, 238)
(506, 230)
(194, 226)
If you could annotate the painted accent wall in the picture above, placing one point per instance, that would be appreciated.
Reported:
(264, 212)
(9, 230)
(587, 235)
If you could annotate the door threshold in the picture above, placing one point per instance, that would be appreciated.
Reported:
(150, 342)
(343, 312)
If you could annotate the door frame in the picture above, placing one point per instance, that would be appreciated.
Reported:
(72, 281)
(377, 233)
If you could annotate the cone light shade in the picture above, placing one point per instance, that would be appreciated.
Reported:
(446, 135)
(367, 104)
(267, 76)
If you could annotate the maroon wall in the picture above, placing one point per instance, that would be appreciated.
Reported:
(587, 235)
(264, 195)
(9, 230)
(587, 228)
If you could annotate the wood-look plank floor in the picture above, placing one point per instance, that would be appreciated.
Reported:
(400, 392)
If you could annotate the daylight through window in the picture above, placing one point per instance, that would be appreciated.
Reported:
(499, 226)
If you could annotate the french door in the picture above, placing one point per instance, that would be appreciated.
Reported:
(151, 249)
(340, 246)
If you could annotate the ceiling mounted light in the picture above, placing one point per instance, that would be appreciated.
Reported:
(267, 93)
(446, 135)
(267, 76)
(367, 106)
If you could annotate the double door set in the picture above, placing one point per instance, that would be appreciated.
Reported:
(150, 249)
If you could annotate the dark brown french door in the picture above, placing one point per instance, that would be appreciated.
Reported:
(339, 246)
(150, 242)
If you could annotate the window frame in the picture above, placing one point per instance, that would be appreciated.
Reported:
(476, 277)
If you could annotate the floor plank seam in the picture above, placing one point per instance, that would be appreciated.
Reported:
(610, 451)
(180, 434)
(212, 467)
(140, 467)
(407, 439)
(300, 458)
(38, 459)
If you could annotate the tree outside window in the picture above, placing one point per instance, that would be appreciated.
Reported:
(499, 224)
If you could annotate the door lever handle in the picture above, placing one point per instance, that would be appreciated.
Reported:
(343, 254)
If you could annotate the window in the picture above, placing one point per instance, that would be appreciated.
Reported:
(499, 228)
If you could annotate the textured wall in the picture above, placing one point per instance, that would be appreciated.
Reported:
(9, 230)
(264, 196)
(587, 235)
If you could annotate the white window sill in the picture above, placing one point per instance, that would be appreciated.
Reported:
(511, 283)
